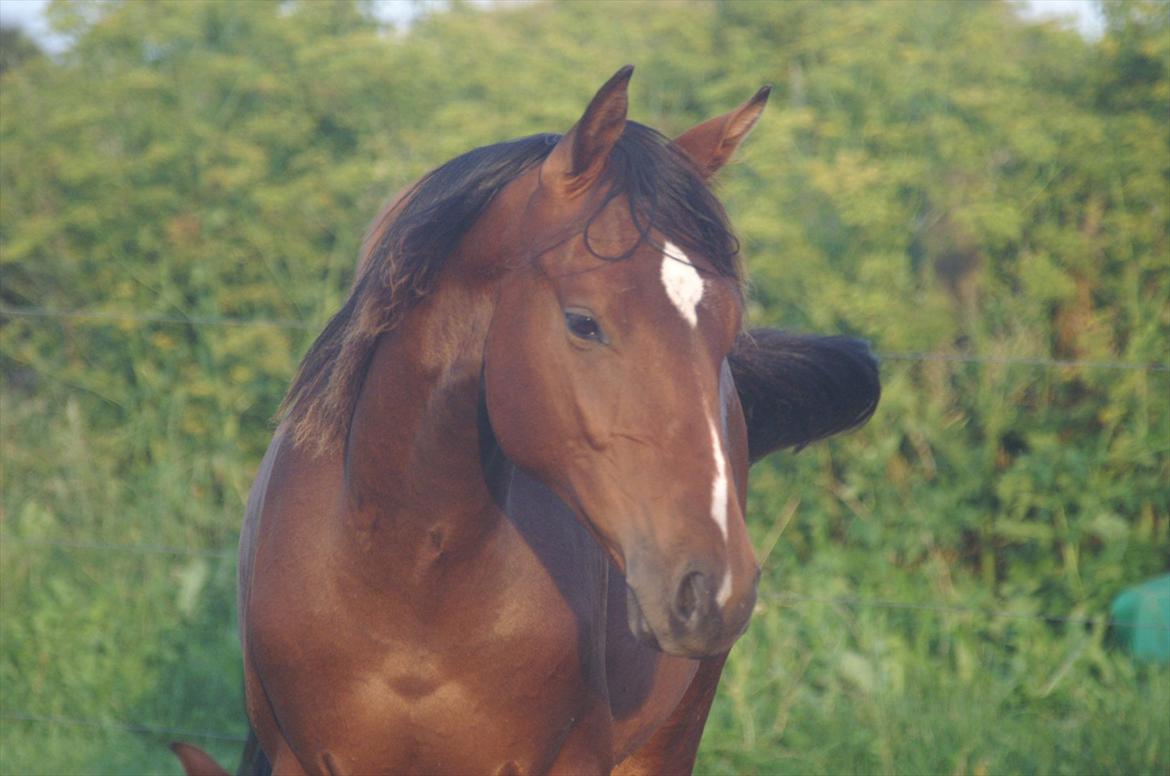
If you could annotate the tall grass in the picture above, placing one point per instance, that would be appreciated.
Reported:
(116, 614)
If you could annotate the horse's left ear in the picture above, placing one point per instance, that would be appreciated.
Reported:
(580, 156)
(713, 142)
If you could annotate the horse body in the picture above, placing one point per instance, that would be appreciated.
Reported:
(416, 586)
(545, 673)
(500, 528)
(390, 676)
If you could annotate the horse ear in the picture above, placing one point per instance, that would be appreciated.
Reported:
(796, 389)
(713, 142)
(580, 156)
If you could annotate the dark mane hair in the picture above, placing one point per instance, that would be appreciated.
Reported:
(666, 194)
(407, 247)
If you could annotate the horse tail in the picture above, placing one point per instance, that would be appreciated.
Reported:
(254, 762)
(798, 388)
(195, 761)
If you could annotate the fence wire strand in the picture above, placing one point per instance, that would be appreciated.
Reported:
(101, 316)
(132, 549)
(780, 597)
(877, 603)
(122, 727)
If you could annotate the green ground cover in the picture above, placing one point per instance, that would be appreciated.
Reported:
(940, 178)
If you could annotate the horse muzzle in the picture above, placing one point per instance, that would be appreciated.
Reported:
(686, 618)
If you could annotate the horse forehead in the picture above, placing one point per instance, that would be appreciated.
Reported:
(679, 285)
(658, 282)
(682, 282)
(642, 286)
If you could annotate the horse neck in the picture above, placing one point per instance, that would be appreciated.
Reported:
(413, 471)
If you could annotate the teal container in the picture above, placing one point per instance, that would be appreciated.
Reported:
(1141, 620)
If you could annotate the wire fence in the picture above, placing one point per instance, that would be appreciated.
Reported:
(124, 727)
(779, 597)
(133, 549)
(782, 598)
(103, 316)
(118, 726)
(135, 728)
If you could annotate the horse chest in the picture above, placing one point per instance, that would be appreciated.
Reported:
(494, 664)
(447, 710)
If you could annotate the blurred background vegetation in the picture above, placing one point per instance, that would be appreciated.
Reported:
(987, 200)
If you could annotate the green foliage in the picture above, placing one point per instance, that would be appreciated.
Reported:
(15, 48)
(936, 177)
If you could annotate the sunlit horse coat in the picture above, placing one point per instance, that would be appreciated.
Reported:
(500, 527)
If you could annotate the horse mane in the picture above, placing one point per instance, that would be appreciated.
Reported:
(406, 249)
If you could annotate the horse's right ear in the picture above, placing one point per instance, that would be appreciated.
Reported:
(798, 388)
(711, 144)
(579, 158)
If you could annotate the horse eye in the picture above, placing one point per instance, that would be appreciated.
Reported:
(583, 326)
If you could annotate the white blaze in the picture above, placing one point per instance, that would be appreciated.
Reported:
(684, 286)
(719, 488)
(724, 589)
(683, 283)
(719, 496)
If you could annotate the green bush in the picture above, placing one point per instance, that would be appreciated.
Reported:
(941, 178)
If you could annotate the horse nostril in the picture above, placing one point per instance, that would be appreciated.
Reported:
(694, 596)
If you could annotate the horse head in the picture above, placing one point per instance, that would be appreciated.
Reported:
(606, 368)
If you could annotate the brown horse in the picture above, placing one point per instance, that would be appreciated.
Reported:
(500, 526)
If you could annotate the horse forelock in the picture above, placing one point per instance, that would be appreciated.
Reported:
(408, 244)
(667, 195)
